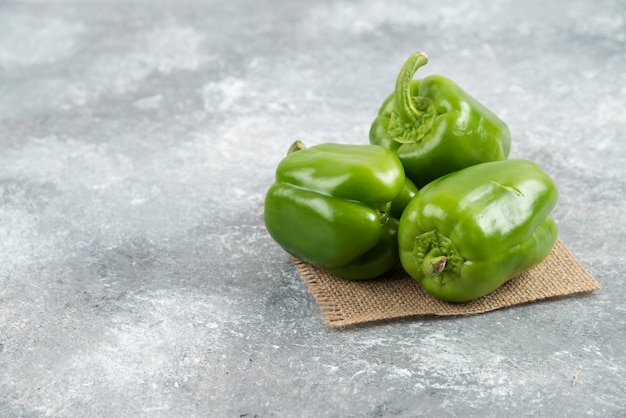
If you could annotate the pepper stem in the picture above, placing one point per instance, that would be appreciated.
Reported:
(403, 99)
(432, 266)
(436, 257)
(296, 146)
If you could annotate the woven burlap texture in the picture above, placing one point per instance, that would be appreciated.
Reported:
(396, 295)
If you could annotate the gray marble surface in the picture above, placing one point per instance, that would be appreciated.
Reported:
(137, 140)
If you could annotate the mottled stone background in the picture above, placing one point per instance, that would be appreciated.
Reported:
(137, 140)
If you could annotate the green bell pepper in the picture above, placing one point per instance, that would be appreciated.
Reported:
(465, 234)
(435, 127)
(330, 206)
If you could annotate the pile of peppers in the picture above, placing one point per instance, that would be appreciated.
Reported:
(433, 191)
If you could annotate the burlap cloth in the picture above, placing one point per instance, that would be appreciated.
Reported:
(345, 302)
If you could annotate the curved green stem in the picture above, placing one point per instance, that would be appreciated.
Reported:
(404, 102)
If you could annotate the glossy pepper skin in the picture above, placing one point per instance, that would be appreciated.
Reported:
(435, 127)
(330, 206)
(465, 234)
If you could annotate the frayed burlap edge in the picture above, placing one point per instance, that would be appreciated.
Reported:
(395, 295)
